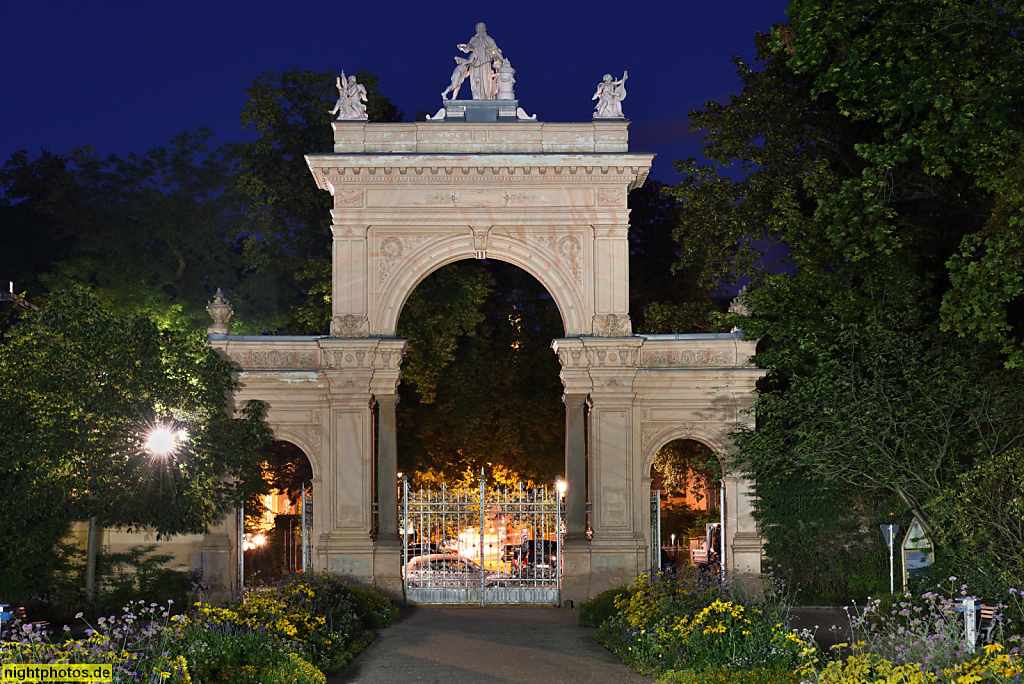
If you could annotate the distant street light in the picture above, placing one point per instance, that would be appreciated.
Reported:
(561, 486)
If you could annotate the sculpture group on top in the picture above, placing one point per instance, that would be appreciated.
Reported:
(491, 77)
(490, 74)
(351, 96)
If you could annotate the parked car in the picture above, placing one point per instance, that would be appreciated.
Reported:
(539, 553)
(448, 570)
(512, 553)
(418, 549)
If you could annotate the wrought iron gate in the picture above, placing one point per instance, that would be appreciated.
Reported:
(481, 545)
(307, 527)
(656, 530)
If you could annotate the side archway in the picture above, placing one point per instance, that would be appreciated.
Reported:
(276, 530)
(718, 440)
(302, 439)
(742, 543)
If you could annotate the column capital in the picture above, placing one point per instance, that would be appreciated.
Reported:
(349, 231)
(613, 230)
(386, 400)
(572, 399)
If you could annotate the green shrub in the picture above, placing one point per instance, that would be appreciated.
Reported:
(372, 610)
(136, 574)
(323, 595)
(594, 611)
(242, 656)
(721, 676)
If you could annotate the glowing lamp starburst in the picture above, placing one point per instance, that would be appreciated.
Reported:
(161, 441)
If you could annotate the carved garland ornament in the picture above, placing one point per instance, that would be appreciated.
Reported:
(391, 250)
(688, 357)
(571, 251)
(288, 360)
(394, 249)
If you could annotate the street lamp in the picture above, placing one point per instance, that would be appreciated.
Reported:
(561, 485)
(163, 441)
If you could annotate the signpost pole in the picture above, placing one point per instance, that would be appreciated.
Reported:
(889, 534)
(891, 571)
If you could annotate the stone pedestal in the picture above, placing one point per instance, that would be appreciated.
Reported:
(481, 111)
(576, 570)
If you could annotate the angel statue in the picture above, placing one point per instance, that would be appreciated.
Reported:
(351, 96)
(610, 95)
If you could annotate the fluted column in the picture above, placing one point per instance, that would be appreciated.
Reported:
(387, 468)
(575, 467)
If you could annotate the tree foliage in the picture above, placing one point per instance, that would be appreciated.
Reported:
(885, 410)
(291, 240)
(80, 386)
(943, 80)
(154, 233)
(981, 523)
(878, 144)
(663, 297)
(687, 467)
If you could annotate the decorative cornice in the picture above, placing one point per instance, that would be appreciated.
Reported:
(639, 352)
(362, 353)
(623, 169)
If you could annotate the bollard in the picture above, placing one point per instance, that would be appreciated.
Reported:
(970, 623)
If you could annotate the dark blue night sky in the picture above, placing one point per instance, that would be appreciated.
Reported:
(128, 76)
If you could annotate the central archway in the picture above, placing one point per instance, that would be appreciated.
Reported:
(561, 277)
(480, 388)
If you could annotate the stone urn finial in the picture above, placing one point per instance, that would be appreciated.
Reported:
(221, 312)
(739, 306)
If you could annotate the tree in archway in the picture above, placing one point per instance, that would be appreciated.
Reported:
(285, 468)
(80, 388)
(686, 471)
(494, 396)
(687, 467)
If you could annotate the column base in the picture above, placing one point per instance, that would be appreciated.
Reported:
(215, 560)
(615, 561)
(350, 557)
(575, 570)
(592, 566)
(745, 558)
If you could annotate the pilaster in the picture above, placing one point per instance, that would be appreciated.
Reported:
(611, 280)
(349, 276)
(355, 368)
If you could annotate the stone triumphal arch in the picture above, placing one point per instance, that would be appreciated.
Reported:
(550, 198)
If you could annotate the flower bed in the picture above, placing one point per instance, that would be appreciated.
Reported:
(682, 622)
(295, 631)
(692, 631)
